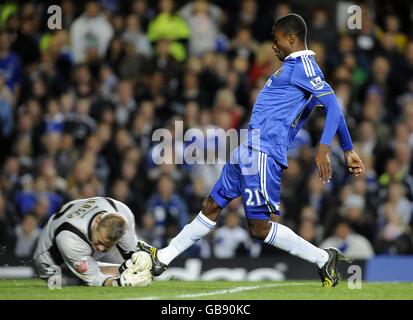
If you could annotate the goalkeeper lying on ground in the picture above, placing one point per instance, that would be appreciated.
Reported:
(93, 242)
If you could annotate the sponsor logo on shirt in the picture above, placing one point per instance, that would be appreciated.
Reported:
(317, 83)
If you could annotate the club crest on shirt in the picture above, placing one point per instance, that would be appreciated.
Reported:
(81, 266)
(317, 83)
(278, 72)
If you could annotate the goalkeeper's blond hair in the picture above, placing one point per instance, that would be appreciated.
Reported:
(115, 225)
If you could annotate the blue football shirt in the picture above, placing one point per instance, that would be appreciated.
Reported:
(11, 70)
(286, 101)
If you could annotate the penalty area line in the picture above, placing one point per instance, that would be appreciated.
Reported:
(223, 291)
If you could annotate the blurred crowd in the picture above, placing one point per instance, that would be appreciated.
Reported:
(78, 106)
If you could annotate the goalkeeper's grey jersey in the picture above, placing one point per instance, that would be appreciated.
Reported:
(66, 239)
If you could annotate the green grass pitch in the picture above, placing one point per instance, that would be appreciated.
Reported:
(219, 290)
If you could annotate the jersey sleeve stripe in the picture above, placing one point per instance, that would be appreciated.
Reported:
(324, 94)
(305, 67)
(310, 66)
(310, 74)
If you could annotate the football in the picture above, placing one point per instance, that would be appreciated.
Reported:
(141, 261)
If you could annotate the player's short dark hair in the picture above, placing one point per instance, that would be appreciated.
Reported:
(291, 23)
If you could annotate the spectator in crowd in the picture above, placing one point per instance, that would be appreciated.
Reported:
(53, 119)
(135, 36)
(243, 45)
(91, 34)
(307, 230)
(316, 195)
(398, 195)
(191, 91)
(195, 196)
(6, 233)
(120, 190)
(349, 242)
(125, 105)
(208, 172)
(232, 239)
(149, 231)
(143, 10)
(256, 20)
(320, 29)
(6, 113)
(361, 221)
(80, 124)
(407, 70)
(394, 174)
(392, 26)
(26, 235)
(25, 42)
(68, 13)
(108, 81)
(203, 21)
(169, 208)
(66, 156)
(10, 64)
(394, 236)
(292, 179)
(309, 227)
(371, 143)
(368, 192)
(169, 25)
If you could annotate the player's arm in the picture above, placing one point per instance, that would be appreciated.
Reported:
(76, 254)
(308, 77)
(342, 130)
(353, 161)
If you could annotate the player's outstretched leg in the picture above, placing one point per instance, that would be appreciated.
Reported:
(203, 223)
(284, 238)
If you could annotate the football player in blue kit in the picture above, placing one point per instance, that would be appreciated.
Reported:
(281, 109)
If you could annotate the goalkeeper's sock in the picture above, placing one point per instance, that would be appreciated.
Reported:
(190, 234)
(284, 238)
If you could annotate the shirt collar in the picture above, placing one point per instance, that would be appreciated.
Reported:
(300, 53)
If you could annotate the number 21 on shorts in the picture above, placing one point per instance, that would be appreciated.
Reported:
(254, 198)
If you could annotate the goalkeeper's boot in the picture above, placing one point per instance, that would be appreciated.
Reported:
(157, 267)
(328, 273)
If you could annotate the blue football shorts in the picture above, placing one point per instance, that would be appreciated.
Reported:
(256, 177)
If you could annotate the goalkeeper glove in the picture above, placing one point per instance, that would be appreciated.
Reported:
(128, 279)
(139, 261)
